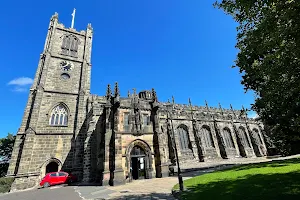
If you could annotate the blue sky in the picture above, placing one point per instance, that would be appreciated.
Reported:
(181, 48)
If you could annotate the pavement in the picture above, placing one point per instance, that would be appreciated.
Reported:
(51, 193)
(157, 188)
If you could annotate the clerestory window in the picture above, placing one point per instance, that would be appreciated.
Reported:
(59, 116)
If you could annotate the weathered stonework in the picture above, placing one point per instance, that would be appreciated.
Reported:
(108, 140)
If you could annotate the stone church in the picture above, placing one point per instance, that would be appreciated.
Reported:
(110, 140)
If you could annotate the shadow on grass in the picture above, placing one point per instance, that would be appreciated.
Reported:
(259, 186)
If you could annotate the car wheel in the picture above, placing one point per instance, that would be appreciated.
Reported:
(46, 185)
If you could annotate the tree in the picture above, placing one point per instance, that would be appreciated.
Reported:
(6, 147)
(268, 38)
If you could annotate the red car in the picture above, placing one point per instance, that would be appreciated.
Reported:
(55, 178)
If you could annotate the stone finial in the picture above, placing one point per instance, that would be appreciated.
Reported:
(168, 100)
(244, 111)
(190, 102)
(154, 96)
(89, 26)
(108, 91)
(55, 16)
(134, 92)
(206, 105)
(128, 94)
(221, 108)
(173, 99)
(117, 90)
(231, 107)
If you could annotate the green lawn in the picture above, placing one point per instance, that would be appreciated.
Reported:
(273, 180)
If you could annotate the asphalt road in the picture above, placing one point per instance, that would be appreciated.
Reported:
(51, 193)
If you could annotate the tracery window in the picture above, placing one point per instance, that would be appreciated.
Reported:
(70, 45)
(244, 138)
(183, 138)
(59, 116)
(227, 138)
(207, 140)
(256, 137)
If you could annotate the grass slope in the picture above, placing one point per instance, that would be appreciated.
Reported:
(275, 180)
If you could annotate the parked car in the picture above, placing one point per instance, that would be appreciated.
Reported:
(56, 178)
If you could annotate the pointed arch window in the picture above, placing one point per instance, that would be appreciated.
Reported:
(183, 136)
(206, 137)
(244, 138)
(256, 136)
(227, 138)
(59, 116)
(70, 45)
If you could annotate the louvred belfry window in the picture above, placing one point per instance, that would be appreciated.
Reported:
(70, 45)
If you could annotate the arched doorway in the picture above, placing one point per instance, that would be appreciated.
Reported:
(139, 160)
(52, 167)
(137, 164)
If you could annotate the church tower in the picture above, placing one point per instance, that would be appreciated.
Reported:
(51, 135)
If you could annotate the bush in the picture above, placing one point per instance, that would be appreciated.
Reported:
(3, 169)
(5, 184)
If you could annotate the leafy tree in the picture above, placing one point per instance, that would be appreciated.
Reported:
(6, 147)
(269, 60)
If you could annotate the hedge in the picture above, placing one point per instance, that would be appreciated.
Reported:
(5, 184)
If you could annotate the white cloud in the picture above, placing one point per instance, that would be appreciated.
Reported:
(20, 89)
(22, 81)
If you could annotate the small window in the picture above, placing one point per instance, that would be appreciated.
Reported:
(126, 122)
(126, 118)
(146, 120)
(53, 175)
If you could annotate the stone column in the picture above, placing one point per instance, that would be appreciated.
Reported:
(247, 132)
(215, 139)
(235, 136)
(193, 141)
(87, 149)
(107, 139)
(118, 178)
(261, 135)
